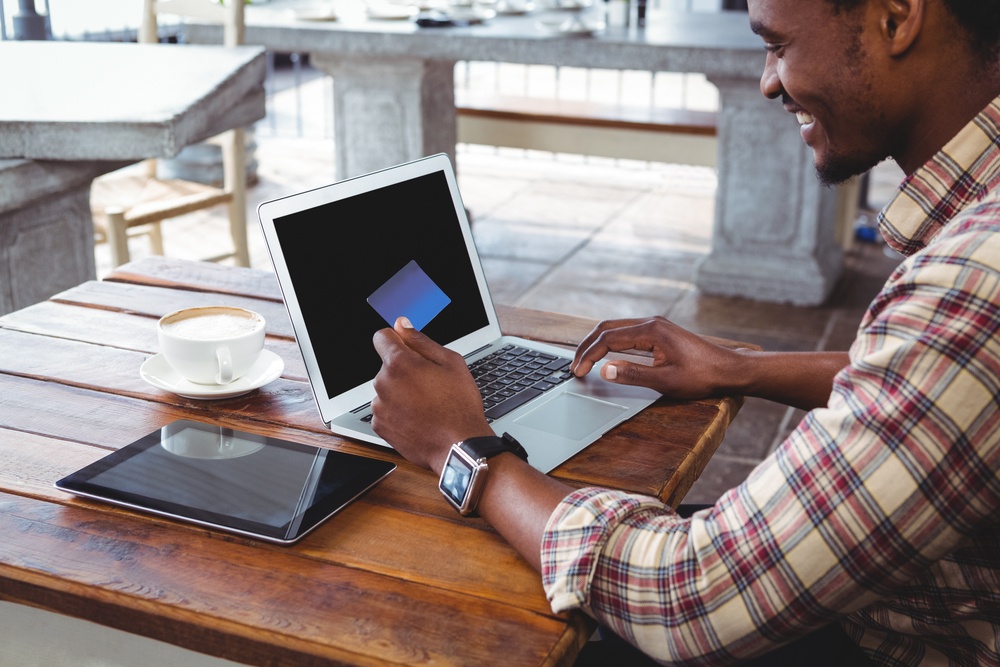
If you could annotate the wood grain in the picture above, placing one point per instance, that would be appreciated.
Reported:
(157, 575)
(396, 578)
(123, 330)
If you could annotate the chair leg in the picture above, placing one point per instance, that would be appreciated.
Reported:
(156, 238)
(238, 226)
(117, 235)
(236, 182)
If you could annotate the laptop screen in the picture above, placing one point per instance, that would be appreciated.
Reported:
(359, 262)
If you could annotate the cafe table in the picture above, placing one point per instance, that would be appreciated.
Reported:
(71, 111)
(398, 577)
(774, 235)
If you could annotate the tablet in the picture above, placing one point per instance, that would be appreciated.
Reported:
(243, 483)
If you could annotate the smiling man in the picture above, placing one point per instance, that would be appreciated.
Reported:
(873, 532)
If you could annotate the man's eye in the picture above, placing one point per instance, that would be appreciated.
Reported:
(770, 47)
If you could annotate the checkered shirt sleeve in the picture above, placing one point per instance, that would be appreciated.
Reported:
(880, 509)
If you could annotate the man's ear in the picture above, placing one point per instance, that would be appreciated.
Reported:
(901, 21)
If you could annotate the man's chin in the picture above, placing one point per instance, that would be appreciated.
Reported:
(831, 172)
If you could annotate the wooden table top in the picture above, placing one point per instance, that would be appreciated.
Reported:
(397, 577)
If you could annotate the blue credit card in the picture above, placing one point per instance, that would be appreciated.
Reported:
(410, 293)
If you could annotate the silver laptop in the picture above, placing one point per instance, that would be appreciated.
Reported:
(352, 256)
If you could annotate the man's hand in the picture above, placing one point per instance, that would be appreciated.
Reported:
(426, 399)
(685, 365)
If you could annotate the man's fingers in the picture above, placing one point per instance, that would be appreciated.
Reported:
(386, 341)
(614, 336)
(419, 343)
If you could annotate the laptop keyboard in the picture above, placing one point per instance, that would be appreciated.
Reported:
(513, 375)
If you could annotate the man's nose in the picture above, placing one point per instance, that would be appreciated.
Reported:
(770, 83)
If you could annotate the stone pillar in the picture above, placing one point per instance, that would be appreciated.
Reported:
(389, 110)
(46, 238)
(775, 225)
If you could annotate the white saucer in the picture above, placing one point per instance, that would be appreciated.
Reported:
(314, 14)
(390, 12)
(514, 8)
(578, 28)
(157, 372)
(569, 5)
(471, 15)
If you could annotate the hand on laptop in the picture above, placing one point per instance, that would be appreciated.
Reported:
(685, 365)
(426, 399)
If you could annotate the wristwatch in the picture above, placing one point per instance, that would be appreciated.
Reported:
(464, 473)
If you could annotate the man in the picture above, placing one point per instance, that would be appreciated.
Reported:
(880, 512)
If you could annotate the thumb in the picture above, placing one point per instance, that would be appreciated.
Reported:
(417, 341)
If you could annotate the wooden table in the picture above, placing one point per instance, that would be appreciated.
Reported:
(397, 577)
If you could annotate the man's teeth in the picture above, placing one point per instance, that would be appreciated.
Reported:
(804, 118)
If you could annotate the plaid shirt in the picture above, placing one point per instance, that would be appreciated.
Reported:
(880, 510)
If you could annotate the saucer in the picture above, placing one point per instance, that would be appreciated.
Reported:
(390, 12)
(157, 372)
(573, 27)
(224, 447)
(514, 8)
(314, 14)
(470, 15)
(570, 5)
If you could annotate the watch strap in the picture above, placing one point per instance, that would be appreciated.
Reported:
(488, 446)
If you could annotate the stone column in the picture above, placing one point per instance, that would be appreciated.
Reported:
(389, 110)
(46, 229)
(775, 224)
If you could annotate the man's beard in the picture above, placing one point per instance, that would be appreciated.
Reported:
(837, 169)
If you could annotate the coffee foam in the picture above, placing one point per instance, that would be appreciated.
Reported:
(210, 324)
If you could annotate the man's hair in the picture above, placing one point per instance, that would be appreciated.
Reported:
(979, 18)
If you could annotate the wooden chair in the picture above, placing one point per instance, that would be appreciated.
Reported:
(135, 202)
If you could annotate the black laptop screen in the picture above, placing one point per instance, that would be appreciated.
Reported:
(358, 262)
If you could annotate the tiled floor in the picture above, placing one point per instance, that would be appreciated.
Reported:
(591, 237)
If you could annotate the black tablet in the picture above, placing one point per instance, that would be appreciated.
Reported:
(244, 483)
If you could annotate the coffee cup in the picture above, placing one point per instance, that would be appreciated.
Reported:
(211, 345)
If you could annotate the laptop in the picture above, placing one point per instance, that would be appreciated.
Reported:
(352, 256)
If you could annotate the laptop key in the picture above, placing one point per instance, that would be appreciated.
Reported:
(558, 364)
(545, 385)
(500, 409)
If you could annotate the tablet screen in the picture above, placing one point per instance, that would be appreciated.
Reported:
(245, 483)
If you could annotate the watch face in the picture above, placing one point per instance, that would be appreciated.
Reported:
(455, 479)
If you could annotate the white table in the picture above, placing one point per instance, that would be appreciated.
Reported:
(70, 111)
(774, 236)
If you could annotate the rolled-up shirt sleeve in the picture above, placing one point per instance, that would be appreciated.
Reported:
(876, 500)
(880, 509)
(577, 532)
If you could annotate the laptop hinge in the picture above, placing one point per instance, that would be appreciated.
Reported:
(361, 408)
(474, 352)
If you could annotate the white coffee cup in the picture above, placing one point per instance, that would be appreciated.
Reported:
(211, 345)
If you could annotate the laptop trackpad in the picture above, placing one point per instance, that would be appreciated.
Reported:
(571, 415)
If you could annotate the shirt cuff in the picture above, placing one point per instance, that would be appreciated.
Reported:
(574, 538)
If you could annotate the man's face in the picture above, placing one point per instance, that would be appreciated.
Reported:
(818, 65)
